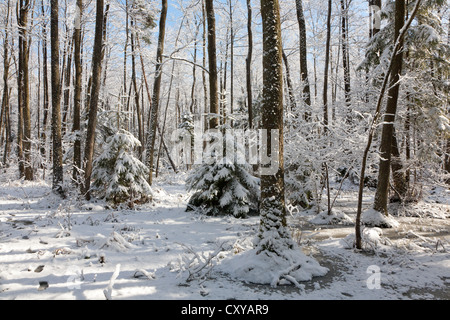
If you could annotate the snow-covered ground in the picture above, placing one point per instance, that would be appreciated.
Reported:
(71, 249)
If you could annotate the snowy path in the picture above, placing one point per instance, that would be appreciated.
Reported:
(70, 250)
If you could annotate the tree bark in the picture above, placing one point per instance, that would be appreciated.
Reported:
(25, 88)
(212, 59)
(346, 61)
(382, 192)
(56, 101)
(304, 59)
(292, 102)
(136, 91)
(273, 232)
(67, 79)
(447, 143)
(398, 175)
(77, 95)
(248, 65)
(231, 62)
(327, 63)
(156, 92)
(6, 61)
(46, 100)
(94, 98)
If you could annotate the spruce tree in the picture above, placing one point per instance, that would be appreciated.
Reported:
(117, 174)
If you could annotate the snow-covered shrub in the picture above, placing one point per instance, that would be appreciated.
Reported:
(373, 218)
(118, 175)
(371, 238)
(336, 217)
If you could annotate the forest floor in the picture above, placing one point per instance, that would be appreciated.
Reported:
(76, 250)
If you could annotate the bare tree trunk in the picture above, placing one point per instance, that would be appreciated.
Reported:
(136, 94)
(327, 63)
(7, 121)
(447, 143)
(125, 54)
(194, 71)
(346, 60)
(447, 159)
(398, 175)
(205, 89)
(292, 102)
(212, 58)
(67, 79)
(231, 62)
(273, 232)
(156, 91)
(6, 61)
(46, 100)
(56, 101)
(382, 193)
(162, 144)
(248, 64)
(94, 98)
(141, 58)
(372, 128)
(304, 59)
(24, 84)
(76, 173)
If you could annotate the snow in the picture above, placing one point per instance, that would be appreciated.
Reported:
(372, 217)
(76, 250)
(336, 217)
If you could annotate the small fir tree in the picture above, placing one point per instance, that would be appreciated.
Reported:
(224, 187)
(118, 175)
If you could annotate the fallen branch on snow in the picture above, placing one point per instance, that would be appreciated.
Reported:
(108, 291)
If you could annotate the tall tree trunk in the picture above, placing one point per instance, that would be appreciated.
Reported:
(136, 91)
(212, 60)
(205, 89)
(194, 70)
(125, 60)
(77, 95)
(8, 136)
(398, 174)
(6, 61)
(248, 65)
(67, 79)
(24, 90)
(447, 147)
(94, 98)
(304, 59)
(46, 100)
(397, 48)
(232, 36)
(223, 84)
(27, 107)
(382, 193)
(346, 60)
(156, 91)
(447, 159)
(56, 100)
(20, 95)
(292, 102)
(273, 232)
(327, 63)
